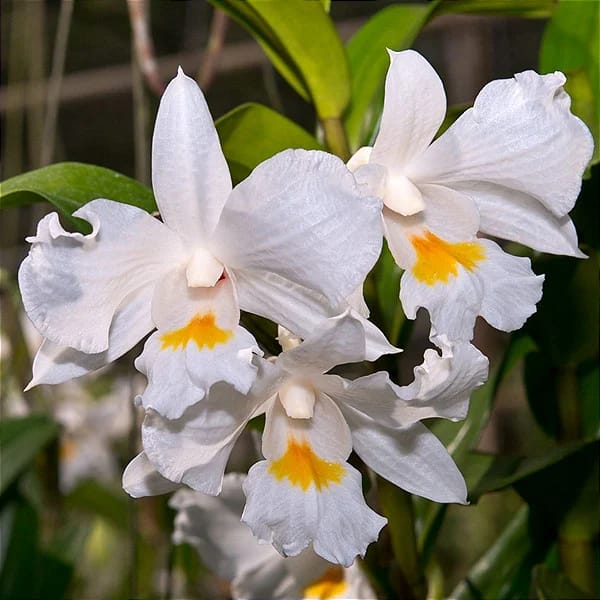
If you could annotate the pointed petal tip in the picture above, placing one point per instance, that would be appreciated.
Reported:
(30, 385)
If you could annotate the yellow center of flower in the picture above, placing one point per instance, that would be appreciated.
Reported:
(330, 585)
(202, 329)
(302, 467)
(437, 259)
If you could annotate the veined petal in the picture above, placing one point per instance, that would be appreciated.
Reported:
(305, 491)
(520, 134)
(299, 309)
(413, 110)
(194, 449)
(73, 284)
(512, 215)
(190, 177)
(410, 457)
(300, 215)
(336, 341)
(142, 479)
(198, 343)
(56, 364)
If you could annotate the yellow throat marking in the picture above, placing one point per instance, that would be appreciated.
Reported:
(330, 585)
(202, 329)
(302, 467)
(438, 259)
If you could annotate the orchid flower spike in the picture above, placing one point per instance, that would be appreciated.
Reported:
(305, 492)
(509, 167)
(212, 526)
(290, 237)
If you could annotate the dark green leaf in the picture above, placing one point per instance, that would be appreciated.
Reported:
(251, 133)
(92, 497)
(570, 44)
(553, 585)
(317, 70)
(21, 439)
(394, 27)
(70, 185)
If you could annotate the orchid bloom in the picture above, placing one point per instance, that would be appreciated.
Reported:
(256, 571)
(305, 491)
(509, 167)
(289, 237)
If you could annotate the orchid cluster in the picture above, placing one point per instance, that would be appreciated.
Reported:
(294, 243)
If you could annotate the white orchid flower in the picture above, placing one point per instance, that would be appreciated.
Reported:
(290, 236)
(256, 571)
(305, 492)
(509, 167)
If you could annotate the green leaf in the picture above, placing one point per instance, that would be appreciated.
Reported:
(494, 573)
(94, 498)
(70, 185)
(570, 44)
(394, 27)
(553, 585)
(301, 40)
(251, 133)
(21, 439)
(519, 8)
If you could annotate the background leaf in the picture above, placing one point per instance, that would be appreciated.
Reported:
(269, 131)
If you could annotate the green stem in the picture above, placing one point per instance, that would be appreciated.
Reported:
(575, 532)
(398, 507)
(335, 137)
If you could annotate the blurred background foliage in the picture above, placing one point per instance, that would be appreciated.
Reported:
(78, 86)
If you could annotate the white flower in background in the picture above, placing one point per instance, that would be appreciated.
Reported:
(290, 236)
(256, 571)
(305, 492)
(90, 428)
(509, 167)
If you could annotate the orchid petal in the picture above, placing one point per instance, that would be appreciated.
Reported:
(512, 215)
(57, 364)
(410, 457)
(413, 110)
(519, 134)
(194, 449)
(190, 177)
(73, 284)
(309, 224)
(142, 479)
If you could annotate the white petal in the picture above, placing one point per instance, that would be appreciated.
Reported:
(142, 479)
(212, 525)
(198, 343)
(190, 177)
(410, 457)
(72, 284)
(194, 449)
(520, 134)
(56, 364)
(336, 341)
(443, 384)
(512, 215)
(300, 215)
(413, 110)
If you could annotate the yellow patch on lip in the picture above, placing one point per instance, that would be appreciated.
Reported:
(438, 259)
(330, 585)
(302, 467)
(67, 449)
(202, 329)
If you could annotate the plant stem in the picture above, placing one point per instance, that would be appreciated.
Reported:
(398, 507)
(335, 137)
